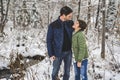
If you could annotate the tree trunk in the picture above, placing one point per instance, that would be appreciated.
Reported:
(1, 1)
(111, 14)
(98, 10)
(7, 10)
(88, 16)
(3, 16)
(78, 9)
(103, 31)
(14, 14)
(117, 22)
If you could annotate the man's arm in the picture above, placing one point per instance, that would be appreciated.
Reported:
(50, 37)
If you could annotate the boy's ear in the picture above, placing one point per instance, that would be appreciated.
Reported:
(64, 15)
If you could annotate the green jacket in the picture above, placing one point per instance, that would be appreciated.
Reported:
(79, 46)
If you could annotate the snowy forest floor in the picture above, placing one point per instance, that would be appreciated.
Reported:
(35, 44)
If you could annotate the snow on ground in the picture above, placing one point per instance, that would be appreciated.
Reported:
(27, 43)
(43, 70)
(102, 69)
(32, 42)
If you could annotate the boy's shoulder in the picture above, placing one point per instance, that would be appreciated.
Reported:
(80, 33)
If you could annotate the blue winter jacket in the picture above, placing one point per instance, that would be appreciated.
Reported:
(55, 36)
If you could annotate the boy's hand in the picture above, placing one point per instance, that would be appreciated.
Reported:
(78, 64)
(52, 58)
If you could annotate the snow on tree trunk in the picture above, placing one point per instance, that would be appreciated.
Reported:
(4, 13)
(88, 16)
(111, 13)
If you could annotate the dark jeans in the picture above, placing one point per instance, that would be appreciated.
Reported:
(81, 72)
(67, 58)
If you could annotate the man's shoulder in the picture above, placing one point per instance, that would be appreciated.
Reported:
(54, 23)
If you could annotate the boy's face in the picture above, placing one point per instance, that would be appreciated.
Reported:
(68, 17)
(76, 25)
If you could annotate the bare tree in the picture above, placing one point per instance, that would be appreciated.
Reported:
(4, 14)
(98, 19)
(111, 14)
(98, 10)
(89, 7)
(88, 15)
(79, 9)
(14, 13)
(103, 30)
(48, 12)
(117, 21)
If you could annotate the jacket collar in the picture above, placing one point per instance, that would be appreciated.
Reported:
(60, 20)
(76, 32)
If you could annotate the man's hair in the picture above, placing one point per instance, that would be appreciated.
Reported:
(65, 10)
(82, 24)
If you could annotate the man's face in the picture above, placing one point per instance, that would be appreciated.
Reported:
(68, 17)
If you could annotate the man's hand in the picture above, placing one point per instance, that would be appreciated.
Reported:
(78, 64)
(52, 58)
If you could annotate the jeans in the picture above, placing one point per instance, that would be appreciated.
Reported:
(81, 72)
(67, 58)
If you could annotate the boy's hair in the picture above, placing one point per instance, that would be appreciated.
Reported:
(65, 10)
(82, 24)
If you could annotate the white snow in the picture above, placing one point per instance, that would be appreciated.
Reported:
(31, 41)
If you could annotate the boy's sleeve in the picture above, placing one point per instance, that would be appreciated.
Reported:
(81, 47)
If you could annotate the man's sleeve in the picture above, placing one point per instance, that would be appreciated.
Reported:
(50, 41)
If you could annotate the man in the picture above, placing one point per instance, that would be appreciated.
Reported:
(59, 38)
